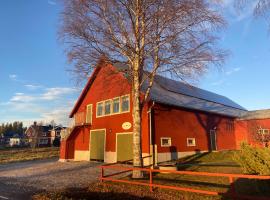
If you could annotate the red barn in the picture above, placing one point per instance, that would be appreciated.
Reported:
(178, 120)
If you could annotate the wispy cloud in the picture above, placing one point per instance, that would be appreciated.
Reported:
(53, 3)
(33, 87)
(13, 77)
(46, 104)
(229, 72)
(55, 93)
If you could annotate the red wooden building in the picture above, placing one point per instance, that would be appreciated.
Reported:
(178, 120)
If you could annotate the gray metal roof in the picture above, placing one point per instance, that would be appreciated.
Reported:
(175, 93)
(256, 114)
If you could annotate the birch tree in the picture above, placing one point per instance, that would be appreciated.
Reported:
(176, 38)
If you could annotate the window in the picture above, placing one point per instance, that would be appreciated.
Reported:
(125, 103)
(99, 109)
(230, 125)
(89, 113)
(116, 105)
(43, 141)
(191, 142)
(166, 141)
(263, 131)
(107, 107)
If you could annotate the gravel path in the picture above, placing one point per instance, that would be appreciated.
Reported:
(22, 180)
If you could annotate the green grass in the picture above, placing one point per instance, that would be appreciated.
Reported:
(24, 154)
(222, 162)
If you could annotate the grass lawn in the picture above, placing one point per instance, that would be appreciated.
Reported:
(208, 162)
(24, 154)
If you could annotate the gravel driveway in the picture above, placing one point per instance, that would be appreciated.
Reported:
(21, 180)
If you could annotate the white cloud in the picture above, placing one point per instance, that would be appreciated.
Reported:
(13, 77)
(47, 105)
(21, 97)
(55, 93)
(32, 86)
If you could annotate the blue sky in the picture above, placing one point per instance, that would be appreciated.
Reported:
(35, 84)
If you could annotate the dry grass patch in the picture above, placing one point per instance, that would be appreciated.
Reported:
(16, 155)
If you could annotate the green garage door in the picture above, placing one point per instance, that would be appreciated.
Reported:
(97, 142)
(124, 147)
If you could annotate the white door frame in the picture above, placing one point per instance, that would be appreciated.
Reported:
(102, 129)
(122, 133)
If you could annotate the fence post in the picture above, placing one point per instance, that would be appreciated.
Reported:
(151, 180)
(101, 174)
(232, 187)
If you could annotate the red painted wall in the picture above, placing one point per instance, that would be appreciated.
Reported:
(245, 130)
(180, 124)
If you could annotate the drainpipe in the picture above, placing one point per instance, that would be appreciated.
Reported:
(150, 112)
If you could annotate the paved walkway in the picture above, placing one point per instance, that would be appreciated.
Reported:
(22, 180)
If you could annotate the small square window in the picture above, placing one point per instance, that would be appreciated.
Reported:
(166, 141)
(125, 104)
(107, 107)
(116, 105)
(100, 109)
(191, 142)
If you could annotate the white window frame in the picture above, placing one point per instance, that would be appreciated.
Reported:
(169, 141)
(110, 102)
(103, 111)
(264, 131)
(128, 103)
(191, 145)
(119, 101)
(111, 109)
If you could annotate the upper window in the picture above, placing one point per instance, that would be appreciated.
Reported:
(107, 107)
(191, 142)
(263, 131)
(100, 109)
(116, 105)
(166, 141)
(125, 103)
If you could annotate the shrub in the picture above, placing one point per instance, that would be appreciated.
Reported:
(253, 160)
(56, 142)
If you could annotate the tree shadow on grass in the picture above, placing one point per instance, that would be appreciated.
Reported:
(250, 188)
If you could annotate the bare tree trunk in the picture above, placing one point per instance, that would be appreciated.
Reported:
(137, 149)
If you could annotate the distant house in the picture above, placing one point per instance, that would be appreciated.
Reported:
(42, 135)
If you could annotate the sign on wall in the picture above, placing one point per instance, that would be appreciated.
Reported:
(126, 125)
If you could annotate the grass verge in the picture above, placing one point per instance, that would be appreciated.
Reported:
(16, 155)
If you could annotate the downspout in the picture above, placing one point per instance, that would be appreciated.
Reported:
(150, 112)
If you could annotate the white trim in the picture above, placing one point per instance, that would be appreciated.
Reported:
(127, 95)
(111, 112)
(100, 102)
(166, 138)
(102, 129)
(191, 145)
(122, 133)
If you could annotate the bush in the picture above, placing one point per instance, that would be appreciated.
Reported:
(253, 160)
(56, 142)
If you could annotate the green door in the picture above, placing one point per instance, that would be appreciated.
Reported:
(97, 144)
(124, 147)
